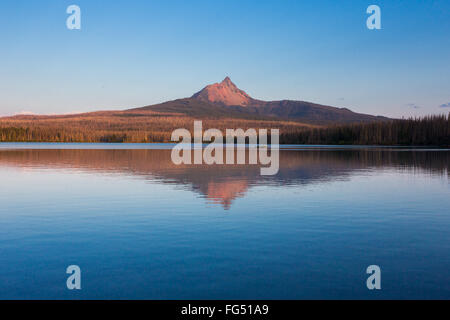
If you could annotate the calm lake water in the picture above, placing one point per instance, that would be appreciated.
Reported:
(142, 228)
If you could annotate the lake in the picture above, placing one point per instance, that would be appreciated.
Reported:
(141, 227)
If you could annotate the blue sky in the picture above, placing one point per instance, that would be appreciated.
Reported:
(135, 53)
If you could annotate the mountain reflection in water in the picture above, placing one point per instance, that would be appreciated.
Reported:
(222, 184)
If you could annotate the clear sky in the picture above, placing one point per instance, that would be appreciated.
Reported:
(132, 53)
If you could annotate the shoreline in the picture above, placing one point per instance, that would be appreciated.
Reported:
(168, 145)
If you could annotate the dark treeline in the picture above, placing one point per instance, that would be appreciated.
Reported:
(147, 128)
(426, 131)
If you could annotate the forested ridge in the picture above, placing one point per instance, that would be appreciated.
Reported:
(426, 131)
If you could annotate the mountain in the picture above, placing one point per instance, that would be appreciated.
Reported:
(221, 105)
(225, 93)
(225, 99)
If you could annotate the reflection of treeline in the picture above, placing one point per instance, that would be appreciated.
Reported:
(436, 161)
(300, 165)
(430, 130)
